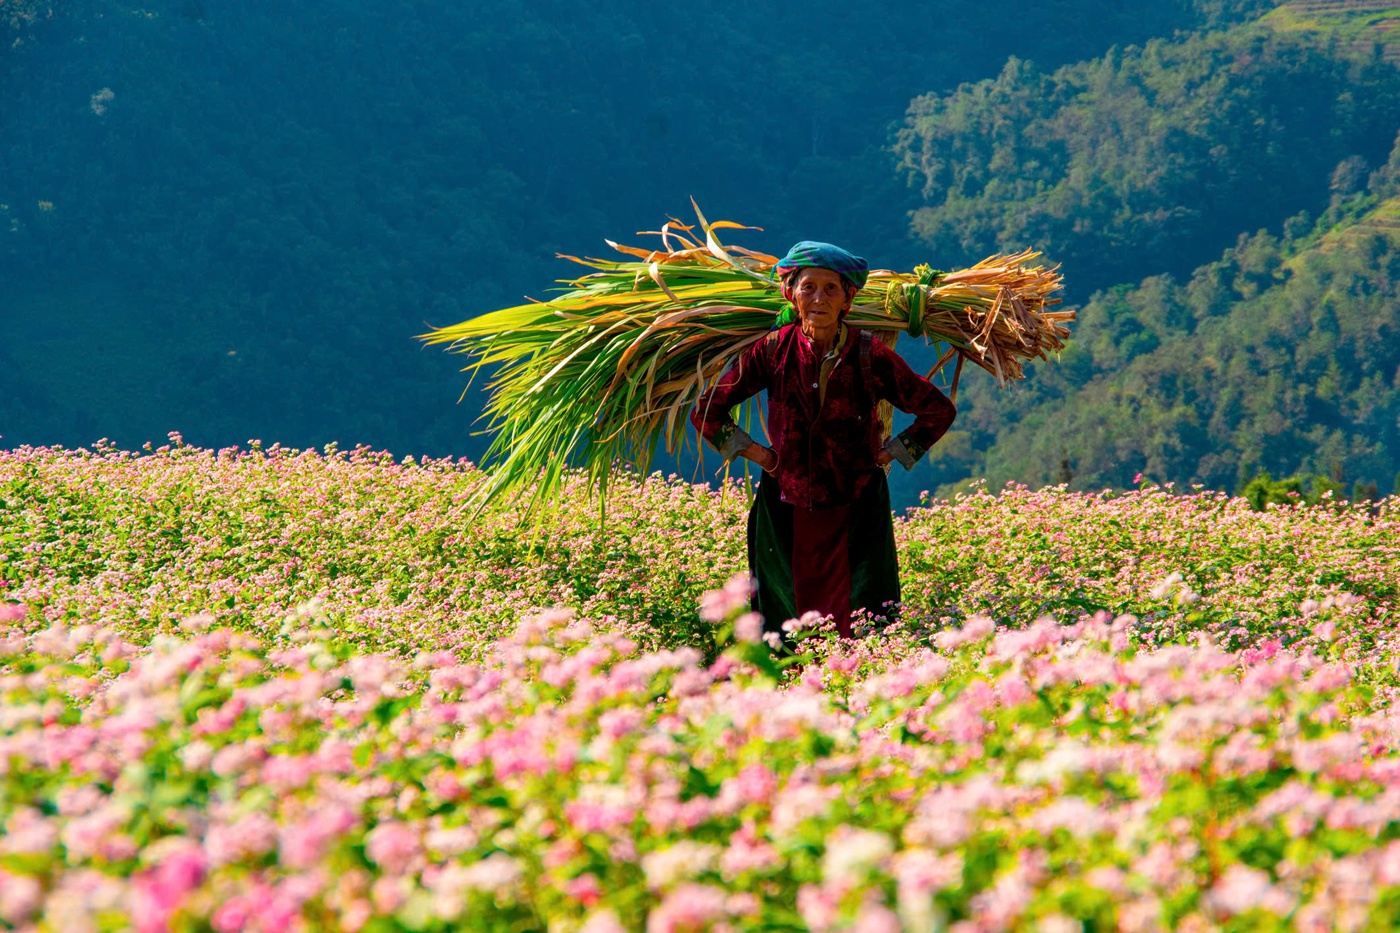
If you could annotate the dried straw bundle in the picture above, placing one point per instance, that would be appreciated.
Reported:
(604, 371)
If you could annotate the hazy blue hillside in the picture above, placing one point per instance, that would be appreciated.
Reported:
(229, 218)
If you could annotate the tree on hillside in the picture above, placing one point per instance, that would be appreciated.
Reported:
(1281, 356)
(1148, 159)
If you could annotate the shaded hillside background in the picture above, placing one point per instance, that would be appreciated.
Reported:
(229, 219)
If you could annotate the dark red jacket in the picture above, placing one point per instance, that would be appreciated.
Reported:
(826, 450)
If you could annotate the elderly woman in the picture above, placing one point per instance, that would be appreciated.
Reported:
(820, 535)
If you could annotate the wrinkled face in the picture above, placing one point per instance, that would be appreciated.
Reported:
(821, 299)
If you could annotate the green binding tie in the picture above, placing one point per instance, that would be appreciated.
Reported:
(915, 295)
(907, 300)
(786, 316)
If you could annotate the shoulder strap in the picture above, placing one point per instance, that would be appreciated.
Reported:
(884, 411)
(770, 347)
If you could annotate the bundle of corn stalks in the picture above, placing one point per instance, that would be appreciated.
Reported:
(603, 372)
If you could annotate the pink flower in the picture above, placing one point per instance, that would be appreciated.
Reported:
(28, 832)
(234, 759)
(89, 836)
(975, 629)
(690, 907)
(1311, 757)
(389, 893)
(749, 627)
(1242, 889)
(1001, 905)
(495, 874)
(1042, 634)
(1075, 814)
(20, 897)
(600, 808)
(747, 853)
(157, 894)
(11, 612)
(585, 889)
(393, 846)
(1108, 878)
(603, 921)
(302, 844)
(251, 836)
(288, 772)
(718, 605)
(1059, 923)
(1162, 864)
(1013, 689)
(876, 918)
(196, 756)
(258, 909)
(375, 674)
(809, 621)
(920, 872)
(452, 840)
(817, 907)
(756, 783)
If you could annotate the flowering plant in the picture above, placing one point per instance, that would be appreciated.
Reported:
(264, 766)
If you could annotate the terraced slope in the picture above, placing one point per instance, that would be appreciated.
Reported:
(1362, 22)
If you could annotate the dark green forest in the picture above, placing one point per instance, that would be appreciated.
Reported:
(230, 219)
(1282, 356)
(1148, 160)
(1266, 341)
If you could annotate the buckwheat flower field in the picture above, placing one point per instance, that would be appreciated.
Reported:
(276, 690)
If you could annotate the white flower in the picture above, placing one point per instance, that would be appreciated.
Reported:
(680, 862)
(851, 852)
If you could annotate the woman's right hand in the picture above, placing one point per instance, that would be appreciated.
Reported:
(765, 457)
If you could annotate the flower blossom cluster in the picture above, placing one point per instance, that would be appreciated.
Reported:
(288, 692)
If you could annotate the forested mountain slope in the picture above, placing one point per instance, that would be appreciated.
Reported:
(1149, 159)
(230, 218)
(1244, 181)
(1283, 355)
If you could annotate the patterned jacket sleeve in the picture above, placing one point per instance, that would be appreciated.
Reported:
(911, 393)
(745, 379)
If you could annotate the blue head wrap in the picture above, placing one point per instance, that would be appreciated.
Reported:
(809, 254)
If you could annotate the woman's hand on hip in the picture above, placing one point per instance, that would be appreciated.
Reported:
(765, 457)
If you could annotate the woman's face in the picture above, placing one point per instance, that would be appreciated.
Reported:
(821, 299)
